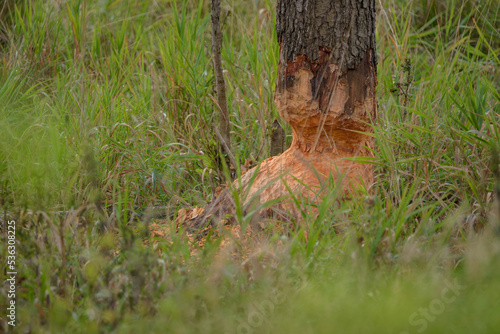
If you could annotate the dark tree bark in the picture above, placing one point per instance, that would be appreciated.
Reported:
(326, 92)
(345, 28)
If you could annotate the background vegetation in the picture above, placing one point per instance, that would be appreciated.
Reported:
(106, 109)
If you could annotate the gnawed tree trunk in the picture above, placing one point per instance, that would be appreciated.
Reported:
(326, 92)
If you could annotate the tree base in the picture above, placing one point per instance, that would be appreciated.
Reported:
(270, 186)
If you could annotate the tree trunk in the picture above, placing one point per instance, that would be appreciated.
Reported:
(326, 92)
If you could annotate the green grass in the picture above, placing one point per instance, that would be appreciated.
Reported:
(106, 109)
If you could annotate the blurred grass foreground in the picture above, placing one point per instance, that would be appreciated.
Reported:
(105, 111)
